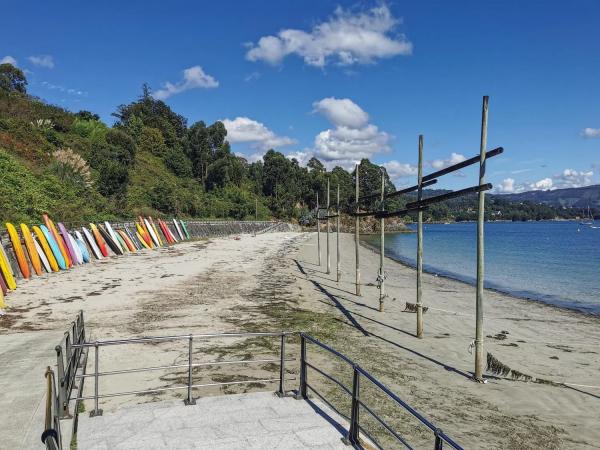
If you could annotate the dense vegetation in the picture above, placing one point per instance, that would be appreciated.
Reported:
(150, 161)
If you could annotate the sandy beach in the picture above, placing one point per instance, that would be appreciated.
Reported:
(273, 282)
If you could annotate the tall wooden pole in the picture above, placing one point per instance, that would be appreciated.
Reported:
(480, 247)
(337, 236)
(382, 245)
(357, 234)
(420, 244)
(328, 231)
(318, 230)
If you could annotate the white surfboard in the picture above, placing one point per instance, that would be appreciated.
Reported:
(178, 230)
(152, 233)
(42, 255)
(92, 243)
(76, 249)
(113, 235)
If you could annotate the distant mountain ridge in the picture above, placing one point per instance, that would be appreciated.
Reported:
(570, 197)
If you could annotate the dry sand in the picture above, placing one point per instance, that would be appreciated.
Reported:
(272, 282)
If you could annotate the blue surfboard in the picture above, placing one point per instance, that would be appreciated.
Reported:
(84, 250)
(54, 247)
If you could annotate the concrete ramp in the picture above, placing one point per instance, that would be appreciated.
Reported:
(241, 421)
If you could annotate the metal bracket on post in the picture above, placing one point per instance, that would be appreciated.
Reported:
(190, 400)
(302, 391)
(96, 411)
(62, 387)
(438, 440)
(281, 392)
(353, 432)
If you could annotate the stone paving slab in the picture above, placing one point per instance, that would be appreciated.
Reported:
(242, 421)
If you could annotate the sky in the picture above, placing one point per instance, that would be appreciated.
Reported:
(340, 80)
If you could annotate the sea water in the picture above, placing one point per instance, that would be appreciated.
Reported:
(553, 262)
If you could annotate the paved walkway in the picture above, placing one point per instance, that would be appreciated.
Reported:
(243, 421)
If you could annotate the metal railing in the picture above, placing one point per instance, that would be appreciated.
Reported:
(60, 389)
(68, 359)
(51, 437)
(190, 365)
(355, 429)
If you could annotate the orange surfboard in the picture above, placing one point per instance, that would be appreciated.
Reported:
(47, 250)
(59, 240)
(18, 249)
(34, 258)
(127, 241)
(147, 233)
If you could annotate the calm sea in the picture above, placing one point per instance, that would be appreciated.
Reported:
(553, 262)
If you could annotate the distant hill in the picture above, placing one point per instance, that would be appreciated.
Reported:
(570, 197)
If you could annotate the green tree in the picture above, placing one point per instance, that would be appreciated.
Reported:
(12, 79)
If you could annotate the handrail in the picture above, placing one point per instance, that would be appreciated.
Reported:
(190, 365)
(354, 430)
(51, 437)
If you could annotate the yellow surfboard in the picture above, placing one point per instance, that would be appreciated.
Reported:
(34, 258)
(7, 271)
(2, 305)
(47, 250)
(145, 237)
(18, 249)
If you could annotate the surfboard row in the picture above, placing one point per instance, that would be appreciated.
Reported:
(52, 247)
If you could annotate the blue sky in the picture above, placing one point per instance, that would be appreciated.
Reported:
(340, 80)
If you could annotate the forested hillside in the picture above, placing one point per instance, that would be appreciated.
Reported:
(152, 162)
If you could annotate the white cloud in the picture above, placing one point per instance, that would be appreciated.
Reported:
(342, 112)
(506, 187)
(46, 61)
(8, 60)
(244, 129)
(590, 133)
(439, 164)
(57, 87)
(397, 170)
(346, 38)
(301, 156)
(572, 178)
(252, 76)
(352, 139)
(193, 78)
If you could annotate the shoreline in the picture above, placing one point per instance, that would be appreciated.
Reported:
(539, 299)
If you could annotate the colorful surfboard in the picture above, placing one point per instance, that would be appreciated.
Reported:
(58, 239)
(99, 240)
(113, 235)
(160, 243)
(18, 250)
(145, 236)
(184, 226)
(130, 245)
(42, 255)
(64, 234)
(92, 243)
(85, 254)
(34, 258)
(60, 260)
(109, 241)
(6, 269)
(178, 229)
(41, 239)
(151, 233)
(77, 255)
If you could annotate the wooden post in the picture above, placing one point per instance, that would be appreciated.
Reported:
(337, 236)
(357, 235)
(318, 230)
(382, 245)
(420, 244)
(480, 248)
(328, 230)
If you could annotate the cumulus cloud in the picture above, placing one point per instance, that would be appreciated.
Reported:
(46, 61)
(397, 170)
(244, 129)
(343, 112)
(568, 178)
(439, 164)
(8, 60)
(301, 156)
(193, 78)
(590, 133)
(506, 187)
(352, 138)
(346, 38)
